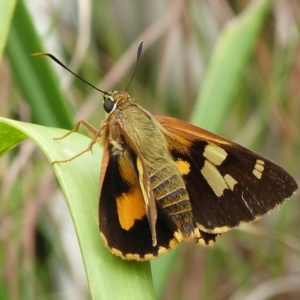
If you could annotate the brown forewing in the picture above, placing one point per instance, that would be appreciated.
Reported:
(249, 198)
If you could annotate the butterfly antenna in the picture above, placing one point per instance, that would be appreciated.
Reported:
(65, 67)
(138, 54)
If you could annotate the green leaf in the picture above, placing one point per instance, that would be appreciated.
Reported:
(6, 12)
(109, 277)
(35, 77)
(228, 61)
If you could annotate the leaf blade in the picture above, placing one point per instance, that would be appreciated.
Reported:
(109, 277)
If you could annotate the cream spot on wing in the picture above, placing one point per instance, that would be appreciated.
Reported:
(215, 230)
(214, 154)
(214, 178)
(135, 256)
(258, 168)
(231, 182)
(178, 236)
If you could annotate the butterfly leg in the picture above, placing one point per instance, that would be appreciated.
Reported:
(88, 127)
(95, 133)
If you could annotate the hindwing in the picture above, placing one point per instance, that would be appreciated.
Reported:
(123, 220)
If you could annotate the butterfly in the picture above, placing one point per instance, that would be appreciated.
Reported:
(164, 181)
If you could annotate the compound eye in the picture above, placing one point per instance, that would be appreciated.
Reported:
(109, 105)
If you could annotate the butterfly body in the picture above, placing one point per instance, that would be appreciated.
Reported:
(136, 144)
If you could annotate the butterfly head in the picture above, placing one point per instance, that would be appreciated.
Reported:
(113, 100)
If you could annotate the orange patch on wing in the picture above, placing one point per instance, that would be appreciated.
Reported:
(127, 170)
(130, 207)
(183, 167)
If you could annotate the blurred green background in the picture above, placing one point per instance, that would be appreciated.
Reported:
(232, 67)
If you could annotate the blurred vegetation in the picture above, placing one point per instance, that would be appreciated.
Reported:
(230, 66)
